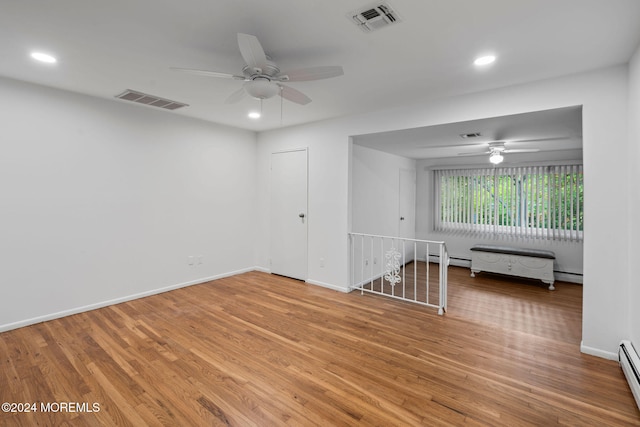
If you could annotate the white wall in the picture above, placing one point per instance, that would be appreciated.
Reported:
(375, 190)
(603, 95)
(103, 200)
(375, 205)
(328, 198)
(634, 197)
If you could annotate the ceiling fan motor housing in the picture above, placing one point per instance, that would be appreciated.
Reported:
(496, 146)
(268, 69)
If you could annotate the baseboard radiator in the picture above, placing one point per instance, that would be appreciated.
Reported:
(630, 364)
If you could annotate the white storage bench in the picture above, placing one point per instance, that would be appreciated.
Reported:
(530, 263)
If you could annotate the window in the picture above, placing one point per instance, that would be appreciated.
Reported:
(533, 202)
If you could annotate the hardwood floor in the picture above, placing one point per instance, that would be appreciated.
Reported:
(263, 350)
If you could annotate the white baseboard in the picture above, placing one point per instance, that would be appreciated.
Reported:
(569, 277)
(366, 281)
(328, 285)
(89, 307)
(456, 262)
(597, 352)
(311, 282)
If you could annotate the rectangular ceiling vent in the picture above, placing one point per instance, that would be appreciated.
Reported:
(154, 101)
(374, 17)
(470, 135)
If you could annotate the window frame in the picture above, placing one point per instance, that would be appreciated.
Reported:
(461, 222)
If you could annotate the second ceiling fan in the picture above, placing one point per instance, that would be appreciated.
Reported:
(496, 149)
(263, 79)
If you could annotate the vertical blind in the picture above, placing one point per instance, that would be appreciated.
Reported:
(532, 202)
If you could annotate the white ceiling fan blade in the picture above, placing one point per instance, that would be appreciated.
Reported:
(294, 95)
(522, 150)
(549, 139)
(235, 96)
(252, 51)
(312, 73)
(209, 73)
(484, 153)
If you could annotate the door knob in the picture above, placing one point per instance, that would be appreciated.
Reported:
(301, 215)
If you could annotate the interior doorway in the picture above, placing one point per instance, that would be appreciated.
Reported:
(289, 194)
(407, 209)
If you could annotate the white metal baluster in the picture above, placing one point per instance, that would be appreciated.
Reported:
(445, 275)
(352, 245)
(442, 289)
(415, 269)
(361, 264)
(427, 271)
(371, 265)
(382, 265)
(404, 267)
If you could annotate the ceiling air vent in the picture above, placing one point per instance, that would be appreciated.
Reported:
(154, 101)
(470, 135)
(374, 17)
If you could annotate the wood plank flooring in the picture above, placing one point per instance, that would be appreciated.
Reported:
(262, 350)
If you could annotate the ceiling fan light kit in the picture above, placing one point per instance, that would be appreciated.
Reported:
(496, 158)
(496, 151)
(262, 88)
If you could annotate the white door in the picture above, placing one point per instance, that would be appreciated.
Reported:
(289, 214)
(407, 210)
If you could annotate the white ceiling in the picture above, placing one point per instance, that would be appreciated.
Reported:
(105, 47)
(549, 131)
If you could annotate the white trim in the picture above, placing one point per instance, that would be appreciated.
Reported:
(457, 262)
(569, 277)
(82, 309)
(357, 286)
(597, 352)
(291, 150)
(328, 286)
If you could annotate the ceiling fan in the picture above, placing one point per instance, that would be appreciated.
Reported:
(263, 79)
(496, 149)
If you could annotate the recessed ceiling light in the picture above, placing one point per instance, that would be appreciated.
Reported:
(254, 115)
(43, 57)
(484, 60)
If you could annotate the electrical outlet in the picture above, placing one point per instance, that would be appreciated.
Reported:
(321, 262)
(366, 262)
